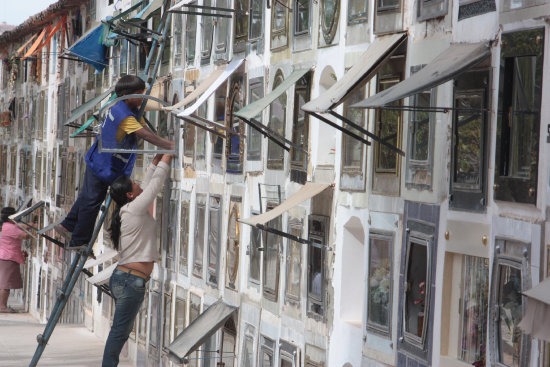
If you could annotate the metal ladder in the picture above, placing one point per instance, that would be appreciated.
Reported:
(80, 257)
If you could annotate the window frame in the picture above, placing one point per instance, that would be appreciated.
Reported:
(298, 168)
(289, 353)
(415, 165)
(207, 31)
(356, 18)
(279, 36)
(253, 37)
(277, 163)
(420, 239)
(328, 31)
(429, 9)
(296, 15)
(394, 171)
(190, 37)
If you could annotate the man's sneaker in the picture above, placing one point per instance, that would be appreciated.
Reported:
(63, 231)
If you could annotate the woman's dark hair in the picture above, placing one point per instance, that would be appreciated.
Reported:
(129, 84)
(118, 190)
(4, 215)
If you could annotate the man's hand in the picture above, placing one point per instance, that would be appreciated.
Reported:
(157, 159)
(146, 134)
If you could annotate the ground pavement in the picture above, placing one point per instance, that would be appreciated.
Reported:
(69, 345)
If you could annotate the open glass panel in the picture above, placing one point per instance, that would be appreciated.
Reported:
(221, 50)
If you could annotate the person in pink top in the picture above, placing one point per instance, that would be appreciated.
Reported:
(11, 255)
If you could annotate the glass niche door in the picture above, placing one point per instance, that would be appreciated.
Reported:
(511, 348)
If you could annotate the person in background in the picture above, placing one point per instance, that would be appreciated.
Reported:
(133, 232)
(11, 255)
(120, 130)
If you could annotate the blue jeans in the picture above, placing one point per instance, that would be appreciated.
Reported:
(128, 291)
(81, 219)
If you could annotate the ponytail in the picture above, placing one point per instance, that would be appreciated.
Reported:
(118, 190)
(115, 227)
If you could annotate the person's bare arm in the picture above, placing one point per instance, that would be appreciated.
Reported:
(146, 134)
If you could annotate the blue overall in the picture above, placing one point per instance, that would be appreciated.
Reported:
(101, 170)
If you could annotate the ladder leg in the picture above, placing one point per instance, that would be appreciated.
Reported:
(70, 281)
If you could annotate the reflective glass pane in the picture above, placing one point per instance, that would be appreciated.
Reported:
(468, 140)
(248, 352)
(416, 289)
(190, 36)
(380, 283)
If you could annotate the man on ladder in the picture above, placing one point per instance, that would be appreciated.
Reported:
(120, 130)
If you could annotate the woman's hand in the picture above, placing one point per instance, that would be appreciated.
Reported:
(166, 158)
(157, 159)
